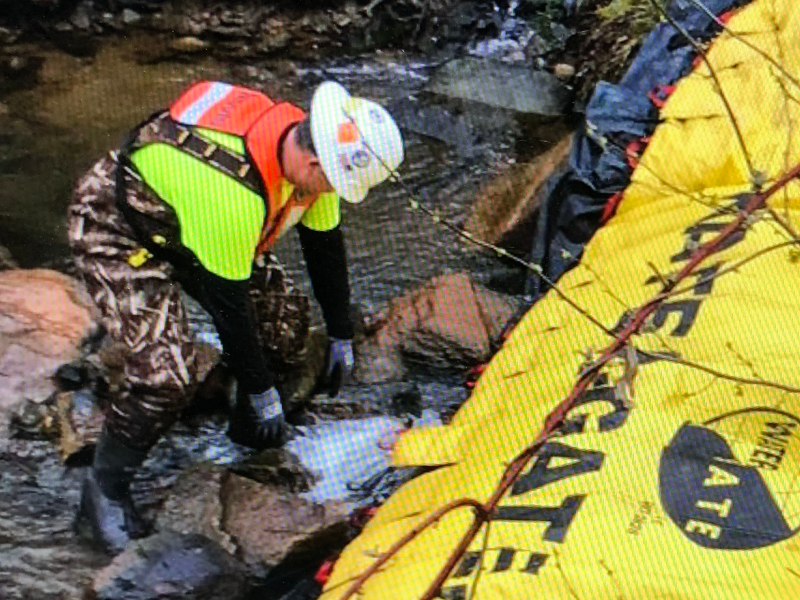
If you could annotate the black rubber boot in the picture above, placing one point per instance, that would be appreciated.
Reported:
(107, 516)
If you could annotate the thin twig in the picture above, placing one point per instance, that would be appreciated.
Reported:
(731, 268)
(754, 175)
(408, 537)
(744, 41)
(416, 204)
(743, 380)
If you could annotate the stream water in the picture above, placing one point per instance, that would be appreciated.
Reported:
(55, 126)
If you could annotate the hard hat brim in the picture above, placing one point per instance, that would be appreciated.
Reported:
(327, 109)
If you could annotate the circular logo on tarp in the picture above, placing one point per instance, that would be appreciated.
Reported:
(733, 483)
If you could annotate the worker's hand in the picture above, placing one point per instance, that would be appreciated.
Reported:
(339, 365)
(258, 420)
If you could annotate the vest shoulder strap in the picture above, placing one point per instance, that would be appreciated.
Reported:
(164, 129)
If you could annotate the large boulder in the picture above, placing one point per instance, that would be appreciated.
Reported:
(516, 88)
(266, 524)
(449, 324)
(171, 566)
(46, 319)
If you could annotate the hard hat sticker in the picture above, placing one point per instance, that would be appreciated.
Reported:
(347, 133)
(344, 161)
(360, 158)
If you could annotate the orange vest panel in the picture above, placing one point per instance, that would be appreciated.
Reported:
(258, 120)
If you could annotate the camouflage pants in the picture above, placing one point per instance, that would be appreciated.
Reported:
(140, 306)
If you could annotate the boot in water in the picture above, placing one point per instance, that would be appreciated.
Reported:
(107, 516)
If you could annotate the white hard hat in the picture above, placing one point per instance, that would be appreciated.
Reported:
(358, 143)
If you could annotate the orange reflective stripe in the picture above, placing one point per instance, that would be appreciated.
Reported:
(347, 133)
(237, 113)
(221, 107)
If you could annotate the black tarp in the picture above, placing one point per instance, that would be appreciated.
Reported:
(575, 197)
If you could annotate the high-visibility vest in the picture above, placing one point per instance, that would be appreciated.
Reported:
(261, 122)
(251, 168)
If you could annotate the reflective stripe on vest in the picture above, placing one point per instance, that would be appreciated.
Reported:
(215, 92)
(221, 106)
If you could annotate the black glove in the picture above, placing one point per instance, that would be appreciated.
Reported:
(338, 365)
(258, 421)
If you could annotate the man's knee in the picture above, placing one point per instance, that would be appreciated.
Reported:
(140, 418)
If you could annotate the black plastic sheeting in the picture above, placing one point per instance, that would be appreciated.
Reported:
(575, 197)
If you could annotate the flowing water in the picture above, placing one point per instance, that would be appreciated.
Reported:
(54, 126)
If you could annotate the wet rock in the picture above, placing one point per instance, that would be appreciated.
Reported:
(188, 44)
(380, 360)
(271, 525)
(407, 401)
(33, 421)
(72, 420)
(336, 408)
(274, 40)
(79, 421)
(9, 35)
(6, 260)
(448, 324)
(436, 122)
(195, 505)
(172, 566)
(81, 17)
(46, 320)
(563, 71)
(263, 524)
(516, 88)
(40, 556)
(276, 467)
(505, 211)
(129, 17)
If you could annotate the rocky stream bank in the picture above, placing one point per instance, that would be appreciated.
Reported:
(74, 75)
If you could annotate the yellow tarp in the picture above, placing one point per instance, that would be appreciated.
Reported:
(691, 488)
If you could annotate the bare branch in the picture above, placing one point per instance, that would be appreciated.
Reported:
(755, 177)
(747, 43)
